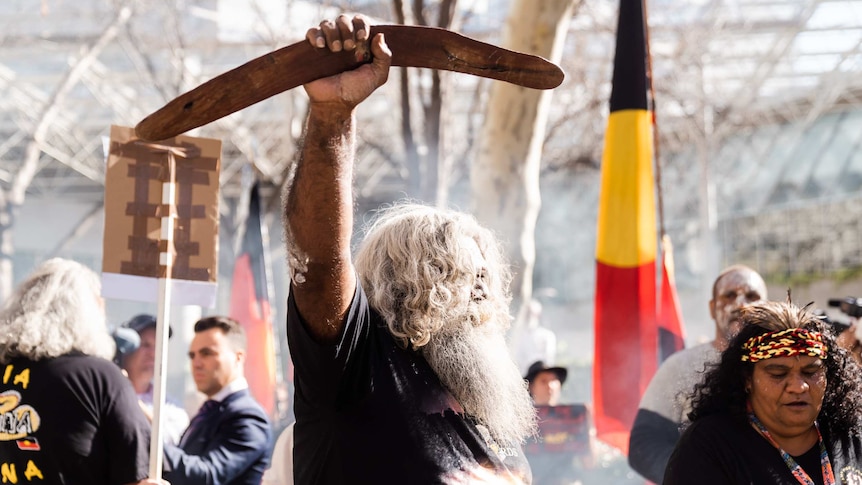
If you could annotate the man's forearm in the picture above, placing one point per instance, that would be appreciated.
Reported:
(319, 207)
(319, 202)
(319, 217)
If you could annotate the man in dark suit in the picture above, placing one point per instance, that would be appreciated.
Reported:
(229, 441)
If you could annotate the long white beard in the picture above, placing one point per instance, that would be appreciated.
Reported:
(474, 364)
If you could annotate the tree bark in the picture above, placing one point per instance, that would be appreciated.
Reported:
(424, 164)
(505, 175)
(411, 151)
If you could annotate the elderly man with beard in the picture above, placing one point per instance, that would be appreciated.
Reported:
(402, 372)
(665, 403)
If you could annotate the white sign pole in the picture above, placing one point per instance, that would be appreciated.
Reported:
(166, 260)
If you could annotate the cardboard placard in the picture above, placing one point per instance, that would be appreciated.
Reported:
(134, 178)
(562, 429)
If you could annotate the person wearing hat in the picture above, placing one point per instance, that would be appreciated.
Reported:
(545, 383)
(558, 463)
(139, 366)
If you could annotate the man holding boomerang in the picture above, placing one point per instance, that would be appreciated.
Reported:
(401, 368)
(402, 372)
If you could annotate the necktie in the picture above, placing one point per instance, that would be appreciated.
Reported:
(208, 409)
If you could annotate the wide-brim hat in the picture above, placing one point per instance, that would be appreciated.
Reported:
(539, 366)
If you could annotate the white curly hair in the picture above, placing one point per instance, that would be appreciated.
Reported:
(55, 311)
(414, 264)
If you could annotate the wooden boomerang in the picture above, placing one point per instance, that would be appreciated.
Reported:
(301, 63)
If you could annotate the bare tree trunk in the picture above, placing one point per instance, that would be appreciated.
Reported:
(425, 168)
(437, 185)
(411, 151)
(505, 174)
(433, 120)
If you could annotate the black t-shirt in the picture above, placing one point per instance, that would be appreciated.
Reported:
(723, 450)
(73, 419)
(369, 412)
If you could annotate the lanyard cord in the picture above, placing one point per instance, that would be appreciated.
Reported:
(795, 469)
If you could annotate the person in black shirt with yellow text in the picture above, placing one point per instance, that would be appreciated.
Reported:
(67, 413)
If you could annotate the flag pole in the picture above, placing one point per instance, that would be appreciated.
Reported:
(669, 315)
(655, 133)
(166, 260)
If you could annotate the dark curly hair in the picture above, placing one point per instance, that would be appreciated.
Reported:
(722, 389)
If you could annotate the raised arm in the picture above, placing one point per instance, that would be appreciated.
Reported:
(318, 208)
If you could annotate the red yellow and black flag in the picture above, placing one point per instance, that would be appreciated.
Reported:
(28, 444)
(249, 305)
(625, 297)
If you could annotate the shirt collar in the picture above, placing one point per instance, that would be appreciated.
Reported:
(233, 386)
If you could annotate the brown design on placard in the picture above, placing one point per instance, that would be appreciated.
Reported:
(190, 171)
(188, 175)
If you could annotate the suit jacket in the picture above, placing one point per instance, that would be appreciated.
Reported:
(231, 446)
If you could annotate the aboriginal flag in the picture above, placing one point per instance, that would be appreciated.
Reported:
(28, 444)
(249, 305)
(626, 343)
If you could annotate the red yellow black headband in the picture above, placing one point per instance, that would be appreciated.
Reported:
(785, 343)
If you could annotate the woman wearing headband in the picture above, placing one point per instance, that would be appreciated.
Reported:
(782, 407)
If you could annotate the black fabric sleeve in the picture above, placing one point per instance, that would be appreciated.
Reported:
(328, 375)
(126, 429)
(652, 441)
